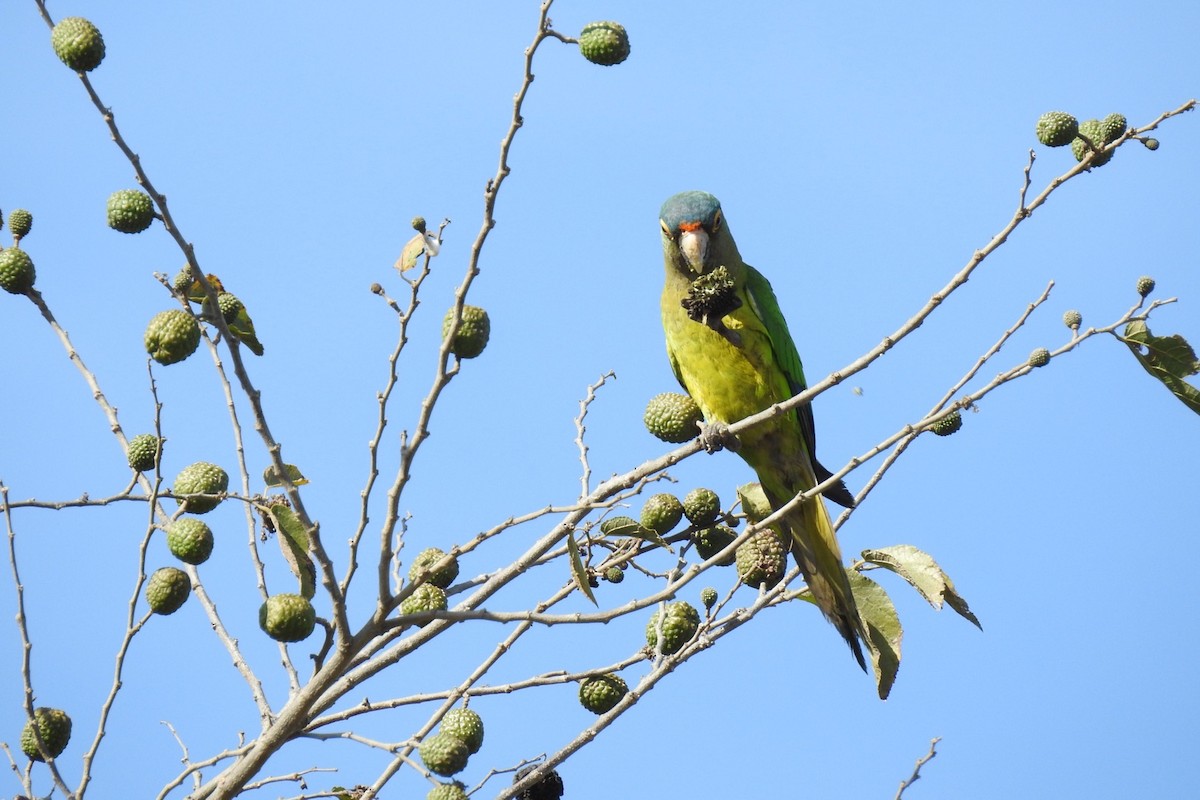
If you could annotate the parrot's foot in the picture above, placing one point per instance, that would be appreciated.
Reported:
(718, 325)
(715, 436)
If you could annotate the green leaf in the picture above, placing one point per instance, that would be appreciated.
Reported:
(918, 568)
(647, 535)
(293, 541)
(883, 629)
(271, 476)
(634, 530)
(754, 501)
(1170, 359)
(577, 569)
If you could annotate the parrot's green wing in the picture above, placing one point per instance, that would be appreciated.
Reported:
(762, 300)
(766, 307)
(675, 366)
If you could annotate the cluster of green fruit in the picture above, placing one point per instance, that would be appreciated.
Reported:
(1058, 129)
(198, 488)
(17, 273)
(174, 335)
(761, 559)
(437, 571)
(129, 211)
(457, 739)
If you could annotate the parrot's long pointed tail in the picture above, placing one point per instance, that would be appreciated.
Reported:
(816, 550)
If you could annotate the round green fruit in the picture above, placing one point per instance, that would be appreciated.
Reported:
(1072, 319)
(183, 280)
(167, 590)
(196, 483)
(429, 558)
(425, 597)
(172, 336)
(701, 506)
(54, 728)
(16, 271)
(190, 540)
(287, 617)
(1095, 131)
(680, 624)
(130, 211)
(600, 693)
(708, 596)
(1145, 285)
(762, 559)
(473, 331)
(466, 725)
(604, 43)
(673, 417)
(1039, 357)
(661, 513)
(1056, 128)
(948, 424)
(614, 574)
(229, 305)
(1113, 127)
(20, 222)
(143, 452)
(77, 43)
(444, 754)
(447, 791)
(710, 541)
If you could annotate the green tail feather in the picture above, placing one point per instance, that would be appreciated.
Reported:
(815, 548)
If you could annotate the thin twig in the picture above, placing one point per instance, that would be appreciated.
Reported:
(892, 457)
(580, 429)
(916, 773)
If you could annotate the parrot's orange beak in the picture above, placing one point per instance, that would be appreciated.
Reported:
(693, 245)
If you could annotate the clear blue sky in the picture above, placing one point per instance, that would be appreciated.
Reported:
(862, 153)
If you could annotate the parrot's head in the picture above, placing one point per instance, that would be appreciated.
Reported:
(695, 236)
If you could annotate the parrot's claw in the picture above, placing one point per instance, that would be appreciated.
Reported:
(715, 436)
(718, 325)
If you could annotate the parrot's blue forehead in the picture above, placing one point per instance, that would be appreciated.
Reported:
(691, 207)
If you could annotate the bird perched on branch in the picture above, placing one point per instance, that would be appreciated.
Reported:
(730, 348)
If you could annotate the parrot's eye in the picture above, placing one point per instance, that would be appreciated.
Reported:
(666, 231)
(717, 220)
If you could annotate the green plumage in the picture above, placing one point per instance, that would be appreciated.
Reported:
(738, 361)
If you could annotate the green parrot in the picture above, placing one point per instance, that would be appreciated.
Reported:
(730, 348)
